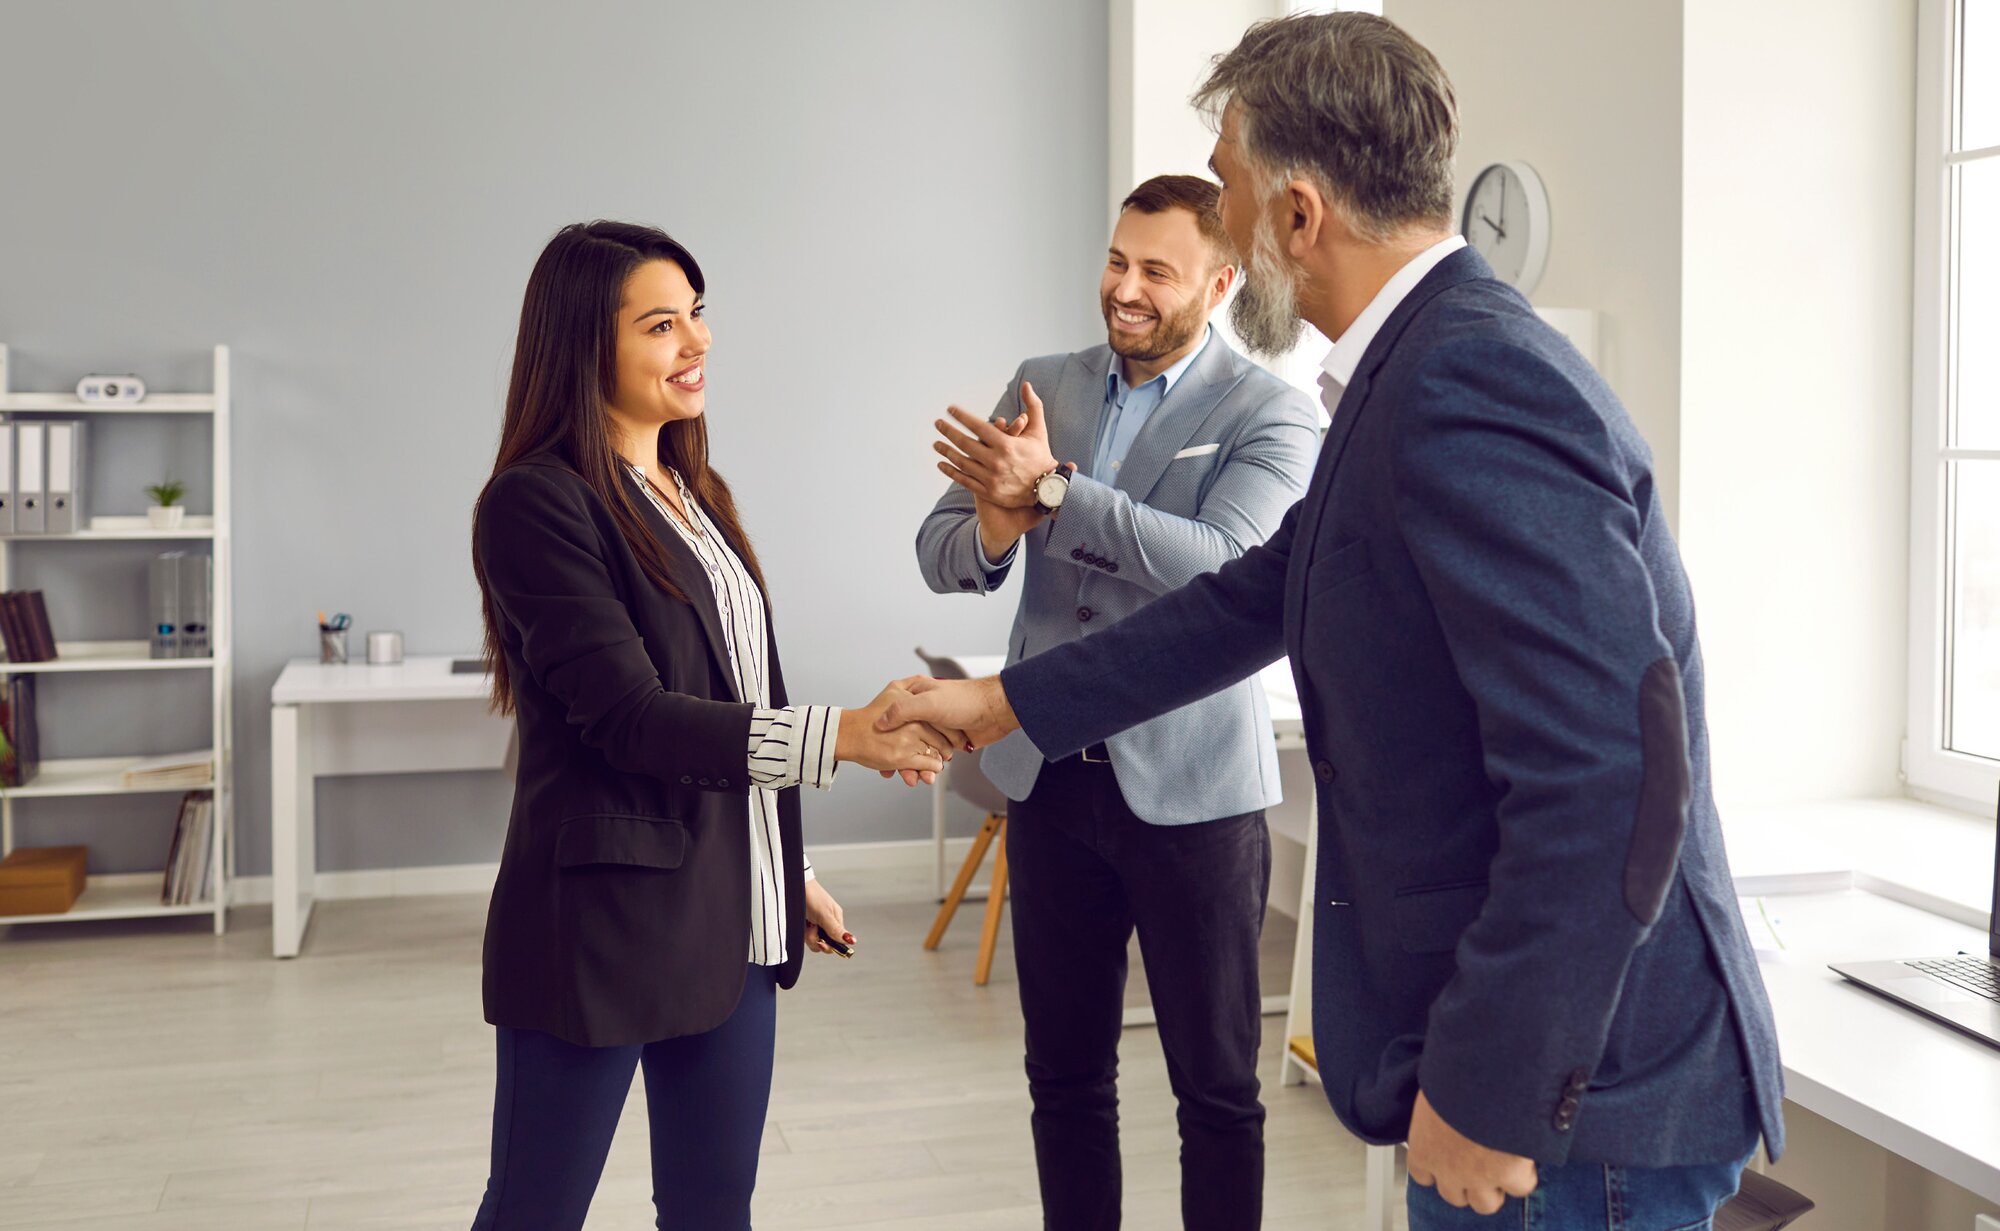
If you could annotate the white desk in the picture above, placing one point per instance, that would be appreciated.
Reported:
(414, 717)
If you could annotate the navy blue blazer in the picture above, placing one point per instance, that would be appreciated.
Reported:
(1523, 902)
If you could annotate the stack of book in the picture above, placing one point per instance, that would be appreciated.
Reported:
(24, 622)
(190, 870)
(20, 745)
(176, 769)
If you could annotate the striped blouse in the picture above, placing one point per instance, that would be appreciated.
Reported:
(788, 746)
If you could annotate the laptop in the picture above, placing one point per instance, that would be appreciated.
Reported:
(1962, 991)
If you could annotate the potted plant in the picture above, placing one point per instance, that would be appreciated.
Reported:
(166, 512)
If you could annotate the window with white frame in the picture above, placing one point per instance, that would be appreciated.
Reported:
(1955, 561)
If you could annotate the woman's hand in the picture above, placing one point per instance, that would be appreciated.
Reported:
(823, 915)
(917, 750)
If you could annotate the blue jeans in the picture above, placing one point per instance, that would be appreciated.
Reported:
(557, 1104)
(1594, 1197)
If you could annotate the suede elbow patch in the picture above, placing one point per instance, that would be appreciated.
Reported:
(1661, 821)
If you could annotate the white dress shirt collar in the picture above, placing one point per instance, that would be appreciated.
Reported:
(1348, 349)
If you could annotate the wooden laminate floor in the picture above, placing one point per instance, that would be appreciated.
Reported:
(154, 1077)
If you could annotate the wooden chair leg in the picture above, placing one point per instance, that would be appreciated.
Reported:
(987, 831)
(996, 901)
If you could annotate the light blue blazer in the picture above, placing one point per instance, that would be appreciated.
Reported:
(1210, 475)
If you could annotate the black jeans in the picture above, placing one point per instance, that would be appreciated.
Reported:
(557, 1103)
(1084, 872)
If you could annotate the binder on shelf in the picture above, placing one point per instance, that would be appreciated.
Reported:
(196, 585)
(163, 600)
(30, 478)
(41, 635)
(65, 478)
(10, 630)
(6, 478)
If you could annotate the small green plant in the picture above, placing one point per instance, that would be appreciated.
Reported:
(168, 493)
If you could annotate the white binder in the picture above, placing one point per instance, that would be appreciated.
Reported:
(6, 478)
(64, 515)
(31, 478)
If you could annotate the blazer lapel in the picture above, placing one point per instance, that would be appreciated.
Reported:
(1464, 265)
(1075, 407)
(1170, 426)
(692, 576)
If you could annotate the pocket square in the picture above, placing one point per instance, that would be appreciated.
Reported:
(1197, 451)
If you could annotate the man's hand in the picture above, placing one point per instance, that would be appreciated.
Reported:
(1463, 1171)
(976, 708)
(1001, 528)
(997, 462)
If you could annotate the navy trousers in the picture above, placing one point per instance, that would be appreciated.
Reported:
(556, 1106)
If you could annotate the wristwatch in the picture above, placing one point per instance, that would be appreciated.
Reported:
(1052, 487)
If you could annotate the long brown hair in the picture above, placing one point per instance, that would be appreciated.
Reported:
(565, 368)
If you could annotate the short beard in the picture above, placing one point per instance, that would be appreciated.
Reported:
(1265, 311)
(1167, 335)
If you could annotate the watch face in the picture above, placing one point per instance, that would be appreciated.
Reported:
(1050, 490)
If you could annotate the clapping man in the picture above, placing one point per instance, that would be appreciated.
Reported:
(1108, 477)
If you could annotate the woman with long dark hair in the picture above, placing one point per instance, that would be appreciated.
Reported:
(653, 893)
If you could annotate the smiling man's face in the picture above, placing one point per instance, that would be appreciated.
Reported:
(1155, 289)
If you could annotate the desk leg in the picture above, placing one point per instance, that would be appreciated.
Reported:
(937, 830)
(1298, 1012)
(1381, 1165)
(292, 832)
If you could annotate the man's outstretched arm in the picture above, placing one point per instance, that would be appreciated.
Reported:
(1216, 630)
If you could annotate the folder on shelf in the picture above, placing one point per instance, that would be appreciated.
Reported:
(6, 478)
(196, 584)
(65, 474)
(163, 600)
(30, 478)
(190, 875)
(41, 635)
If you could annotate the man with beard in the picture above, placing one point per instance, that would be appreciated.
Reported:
(1527, 957)
(1121, 473)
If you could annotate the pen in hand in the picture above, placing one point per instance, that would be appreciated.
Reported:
(831, 943)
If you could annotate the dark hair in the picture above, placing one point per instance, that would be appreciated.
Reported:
(565, 369)
(1189, 192)
(1352, 101)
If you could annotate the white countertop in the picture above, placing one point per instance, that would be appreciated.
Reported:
(423, 678)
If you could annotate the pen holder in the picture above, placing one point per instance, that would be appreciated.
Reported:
(332, 645)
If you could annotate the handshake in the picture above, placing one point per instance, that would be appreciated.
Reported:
(917, 724)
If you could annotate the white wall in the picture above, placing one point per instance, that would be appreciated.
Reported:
(1795, 394)
(894, 203)
(1589, 94)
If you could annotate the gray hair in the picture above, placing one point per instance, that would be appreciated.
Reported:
(1351, 102)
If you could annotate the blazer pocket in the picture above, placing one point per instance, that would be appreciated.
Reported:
(1345, 564)
(626, 841)
(1431, 918)
(1197, 451)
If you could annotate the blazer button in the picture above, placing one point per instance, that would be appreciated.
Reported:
(1111, 567)
(1083, 613)
(1324, 770)
(703, 782)
(1565, 1118)
(1076, 553)
(1579, 1081)
(722, 782)
(687, 780)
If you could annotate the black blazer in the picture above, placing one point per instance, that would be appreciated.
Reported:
(622, 910)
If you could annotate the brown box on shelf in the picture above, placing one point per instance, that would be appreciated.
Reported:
(42, 880)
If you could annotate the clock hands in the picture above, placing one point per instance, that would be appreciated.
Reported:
(1498, 230)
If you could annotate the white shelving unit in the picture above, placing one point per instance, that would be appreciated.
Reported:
(137, 895)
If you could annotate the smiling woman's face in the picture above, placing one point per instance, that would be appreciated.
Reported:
(662, 347)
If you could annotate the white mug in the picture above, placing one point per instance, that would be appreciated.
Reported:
(385, 649)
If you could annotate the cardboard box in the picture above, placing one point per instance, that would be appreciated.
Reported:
(42, 880)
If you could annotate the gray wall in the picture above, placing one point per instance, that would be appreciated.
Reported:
(894, 203)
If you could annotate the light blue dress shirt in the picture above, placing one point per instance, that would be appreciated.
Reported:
(1125, 412)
